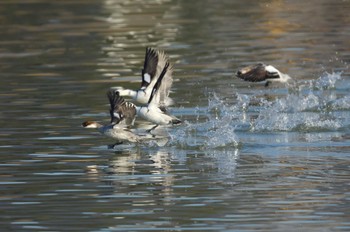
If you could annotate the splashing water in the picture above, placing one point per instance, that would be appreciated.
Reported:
(214, 132)
(306, 110)
(310, 106)
(341, 103)
(221, 128)
(328, 80)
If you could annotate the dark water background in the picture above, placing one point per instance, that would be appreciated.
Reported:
(247, 158)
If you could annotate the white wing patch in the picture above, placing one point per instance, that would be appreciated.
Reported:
(116, 115)
(147, 78)
(271, 69)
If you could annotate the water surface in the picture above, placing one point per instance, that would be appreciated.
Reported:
(246, 158)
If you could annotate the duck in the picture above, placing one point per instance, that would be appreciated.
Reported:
(122, 115)
(156, 109)
(262, 73)
(154, 63)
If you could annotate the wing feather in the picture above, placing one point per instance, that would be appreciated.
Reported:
(149, 67)
(253, 73)
(157, 90)
(120, 110)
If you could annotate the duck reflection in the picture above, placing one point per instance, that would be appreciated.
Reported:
(129, 170)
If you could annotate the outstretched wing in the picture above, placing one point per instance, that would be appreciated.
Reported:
(257, 73)
(160, 88)
(149, 67)
(165, 86)
(166, 83)
(120, 110)
(114, 101)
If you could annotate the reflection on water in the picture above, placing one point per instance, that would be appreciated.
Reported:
(247, 158)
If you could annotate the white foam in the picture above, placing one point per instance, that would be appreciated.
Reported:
(310, 106)
(217, 131)
(327, 80)
(342, 103)
(307, 109)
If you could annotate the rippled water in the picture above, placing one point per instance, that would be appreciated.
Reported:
(246, 158)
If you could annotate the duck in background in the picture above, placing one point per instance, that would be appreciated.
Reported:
(262, 73)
